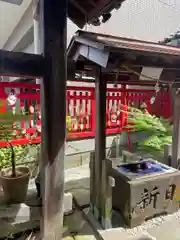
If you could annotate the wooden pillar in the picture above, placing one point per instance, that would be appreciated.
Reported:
(53, 111)
(103, 204)
(100, 139)
(176, 131)
(106, 183)
(173, 95)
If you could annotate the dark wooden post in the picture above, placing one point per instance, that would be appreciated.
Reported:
(103, 204)
(53, 103)
(100, 139)
(176, 131)
(167, 154)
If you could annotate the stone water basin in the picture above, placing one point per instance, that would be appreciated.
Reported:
(144, 189)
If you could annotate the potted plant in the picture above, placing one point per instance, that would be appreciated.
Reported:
(14, 179)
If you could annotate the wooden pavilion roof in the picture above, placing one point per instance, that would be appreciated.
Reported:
(126, 56)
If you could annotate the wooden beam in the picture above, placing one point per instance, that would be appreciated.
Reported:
(144, 58)
(76, 15)
(79, 7)
(150, 60)
(53, 26)
(21, 64)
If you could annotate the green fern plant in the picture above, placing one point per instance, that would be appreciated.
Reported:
(159, 130)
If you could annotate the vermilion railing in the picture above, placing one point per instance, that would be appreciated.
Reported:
(81, 106)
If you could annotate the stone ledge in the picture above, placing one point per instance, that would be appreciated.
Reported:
(20, 217)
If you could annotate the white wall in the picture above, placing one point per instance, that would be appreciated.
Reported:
(18, 40)
(29, 48)
(10, 15)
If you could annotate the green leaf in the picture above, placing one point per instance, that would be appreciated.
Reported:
(158, 129)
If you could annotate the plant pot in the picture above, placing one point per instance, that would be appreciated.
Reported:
(15, 188)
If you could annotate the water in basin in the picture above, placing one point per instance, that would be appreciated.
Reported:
(144, 167)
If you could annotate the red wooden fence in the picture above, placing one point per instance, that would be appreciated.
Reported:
(81, 107)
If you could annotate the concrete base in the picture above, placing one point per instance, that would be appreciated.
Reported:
(68, 203)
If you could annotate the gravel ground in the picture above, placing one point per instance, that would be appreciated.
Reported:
(155, 222)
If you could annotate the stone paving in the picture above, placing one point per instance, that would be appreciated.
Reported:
(167, 231)
(77, 227)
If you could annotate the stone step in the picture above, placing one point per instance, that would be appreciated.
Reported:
(21, 217)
